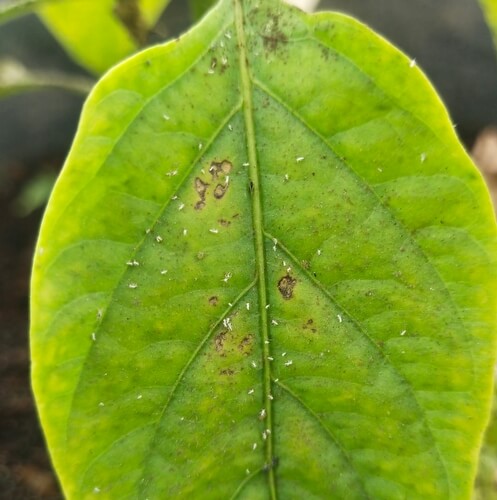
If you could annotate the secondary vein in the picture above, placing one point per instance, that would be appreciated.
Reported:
(258, 225)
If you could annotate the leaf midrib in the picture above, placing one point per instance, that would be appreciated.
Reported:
(259, 243)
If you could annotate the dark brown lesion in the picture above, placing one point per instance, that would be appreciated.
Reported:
(286, 286)
(128, 12)
(245, 345)
(213, 301)
(220, 169)
(201, 189)
(220, 191)
(219, 341)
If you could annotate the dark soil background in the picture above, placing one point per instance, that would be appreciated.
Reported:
(448, 38)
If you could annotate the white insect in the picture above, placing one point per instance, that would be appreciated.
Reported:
(227, 277)
(133, 285)
(158, 239)
(289, 363)
(227, 324)
(300, 159)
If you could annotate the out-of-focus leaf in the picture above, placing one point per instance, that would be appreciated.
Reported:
(490, 10)
(11, 9)
(100, 33)
(16, 78)
(35, 194)
(199, 7)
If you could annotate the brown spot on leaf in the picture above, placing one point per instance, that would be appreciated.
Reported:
(245, 346)
(213, 301)
(221, 168)
(286, 286)
(227, 371)
(219, 341)
(224, 222)
(201, 189)
(220, 191)
(306, 265)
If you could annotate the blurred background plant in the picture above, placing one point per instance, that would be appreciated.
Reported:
(51, 54)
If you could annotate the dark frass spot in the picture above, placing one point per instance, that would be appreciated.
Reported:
(286, 286)
(309, 325)
(273, 37)
(213, 300)
(227, 371)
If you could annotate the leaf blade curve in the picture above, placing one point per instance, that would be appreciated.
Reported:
(252, 299)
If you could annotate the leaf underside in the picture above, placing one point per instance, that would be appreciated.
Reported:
(267, 270)
(101, 33)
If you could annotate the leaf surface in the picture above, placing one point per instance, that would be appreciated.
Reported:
(266, 271)
(101, 33)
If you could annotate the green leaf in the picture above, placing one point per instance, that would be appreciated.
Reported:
(98, 34)
(490, 9)
(199, 7)
(267, 270)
